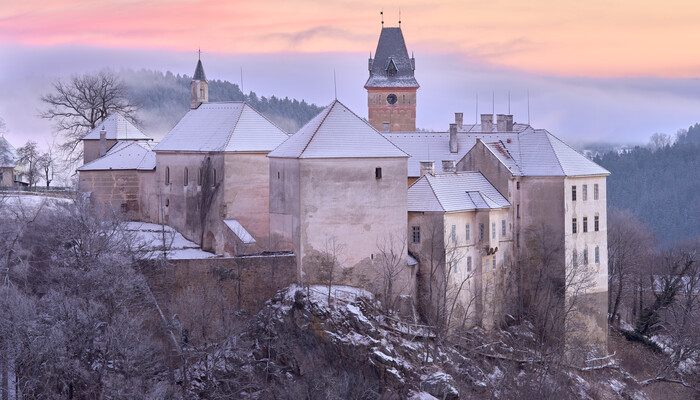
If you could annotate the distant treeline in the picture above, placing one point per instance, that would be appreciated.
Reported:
(165, 98)
(659, 184)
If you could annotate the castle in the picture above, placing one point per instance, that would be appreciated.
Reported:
(429, 211)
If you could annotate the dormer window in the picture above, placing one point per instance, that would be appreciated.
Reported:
(391, 68)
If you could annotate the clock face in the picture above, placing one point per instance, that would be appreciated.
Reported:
(391, 99)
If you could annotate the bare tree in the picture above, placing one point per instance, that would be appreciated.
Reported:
(660, 140)
(629, 246)
(329, 262)
(393, 269)
(29, 156)
(79, 104)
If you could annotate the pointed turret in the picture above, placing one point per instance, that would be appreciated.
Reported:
(200, 86)
(392, 86)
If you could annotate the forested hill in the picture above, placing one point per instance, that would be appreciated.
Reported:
(165, 98)
(661, 186)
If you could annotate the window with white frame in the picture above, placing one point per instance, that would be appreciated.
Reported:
(503, 228)
(467, 233)
(597, 254)
(481, 231)
(584, 192)
(596, 223)
(493, 230)
(595, 191)
(573, 193)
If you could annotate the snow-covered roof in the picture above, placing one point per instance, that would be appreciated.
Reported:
(122, 156)
(337, 132)
(460, 191)
(239, 231)
(8, 154)
(117, 128)
(226, 126)
(391, 53)
(524, 151)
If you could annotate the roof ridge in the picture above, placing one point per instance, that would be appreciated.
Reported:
(233, 128)
(329, 108)
(434, 194)
(245, 103)
(556, 156)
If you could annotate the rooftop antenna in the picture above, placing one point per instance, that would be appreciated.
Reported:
(528, 106)
(493, 102)
(199, 53)
(335, 86)
(399, 18)
(382, 14)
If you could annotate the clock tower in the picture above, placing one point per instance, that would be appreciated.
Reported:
(391, 87)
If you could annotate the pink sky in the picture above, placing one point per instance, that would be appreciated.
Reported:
(618, 38)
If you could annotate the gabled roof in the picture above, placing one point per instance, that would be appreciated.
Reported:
(391, 48)
(461, 191)
(118, 128)
(8, 154)
(230, 126)
(337, 132)
(199, 74)
(122, 156)
(525, 152)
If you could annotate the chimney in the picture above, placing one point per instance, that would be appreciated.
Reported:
(486, 122)
(103, 142)
(459, 120)
(427, 168)
(454, 146)
(500, 122)
(509, 123)
(448, 166)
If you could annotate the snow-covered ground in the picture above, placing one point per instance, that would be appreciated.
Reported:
(19, 200)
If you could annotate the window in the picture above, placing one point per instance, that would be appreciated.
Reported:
(595, 191)
(517, 185)
(167, 202)
(124, 209)
(585, 192)
(585, 256)
(597, 254)
(493, 230)
(453, 234)
(415, 234)
(199, 178)
(469, 264)
(517, 211)
(385, 126)
(201, 92)
(278, 174)
(503, 227)
(596, 223)
(378, 173)
(454, 266)
(487, 264)
(494, 262)
(404, 99)
(574, 257)
(213, 177)
(481, 231)
(573, 225)
(505, 260)
(517, 239)
(1, 177)
(573, 193)
(167, 175)
(186, 177)
(467, 233)
(585, 224)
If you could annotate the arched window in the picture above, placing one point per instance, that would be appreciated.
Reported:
(167, 175)
(186, 177)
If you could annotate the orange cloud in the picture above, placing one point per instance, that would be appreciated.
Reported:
(567, 37)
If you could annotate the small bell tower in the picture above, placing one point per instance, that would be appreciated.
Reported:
(199, 85)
